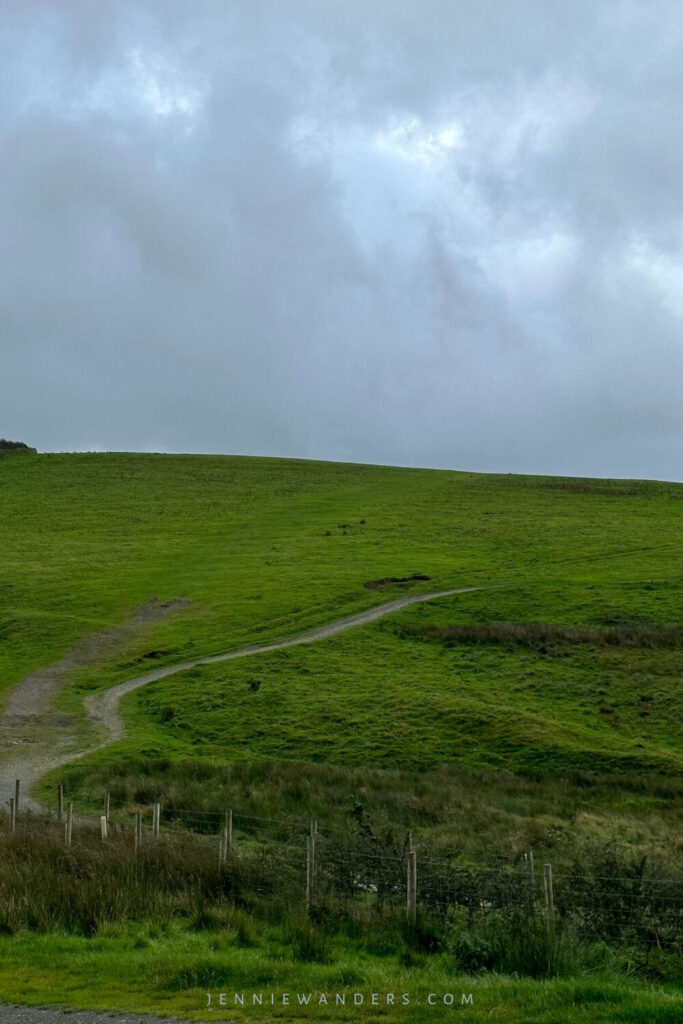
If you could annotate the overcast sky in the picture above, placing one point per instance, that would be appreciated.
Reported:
(441, 233)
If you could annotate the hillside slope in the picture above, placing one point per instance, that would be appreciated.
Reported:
(264, 547)
(222, 551)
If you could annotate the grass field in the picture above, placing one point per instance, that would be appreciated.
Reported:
(265, 547)
(544, 711)
(136, 973)
(375, 698)
(139, 969)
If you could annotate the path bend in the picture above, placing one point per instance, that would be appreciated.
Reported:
(103, 708)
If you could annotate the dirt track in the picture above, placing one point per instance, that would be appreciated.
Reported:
(29, 1015)
(31, 697)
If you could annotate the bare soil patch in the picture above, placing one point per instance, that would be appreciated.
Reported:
(34, 736)
(34, 694)
(388, 580)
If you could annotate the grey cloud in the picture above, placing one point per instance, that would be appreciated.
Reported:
(439, 234)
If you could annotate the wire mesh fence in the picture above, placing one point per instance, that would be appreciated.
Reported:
(289, 859)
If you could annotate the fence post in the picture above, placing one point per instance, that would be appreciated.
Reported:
(156, 820)
(411, 887)
(107, 805)
(226, 839)
(310, 865)
(16, 796)
(60, 801)
(549, 900)
(68, 830)
(12, 814)
(530, 879)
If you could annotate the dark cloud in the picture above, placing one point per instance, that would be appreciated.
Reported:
(439, 234)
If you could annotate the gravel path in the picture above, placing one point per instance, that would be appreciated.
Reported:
(102, 709)
(33, 734)
(29, 1015)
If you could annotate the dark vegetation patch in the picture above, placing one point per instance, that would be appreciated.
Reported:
(7, 447)
(542, 637)
(45, 887)
(610, 488)
(607, 488)
(388, 580)
(607, 492)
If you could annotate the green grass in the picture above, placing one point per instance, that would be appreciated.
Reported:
(480, 736)
(142, 969)
(373, 699)
(259, 547)
(262, 548)
(392, 696)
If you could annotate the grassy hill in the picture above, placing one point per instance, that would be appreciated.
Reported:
(544, 710)
(588, 572)
(262, 548)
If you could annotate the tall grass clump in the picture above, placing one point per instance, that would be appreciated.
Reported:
(537, 635)
(45, 887)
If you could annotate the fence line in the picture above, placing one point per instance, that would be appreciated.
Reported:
(322, 867)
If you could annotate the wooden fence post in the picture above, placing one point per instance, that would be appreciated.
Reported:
(226, 839)
(310, 865)
(16, 796)
(103, 827)
(12, 814)
(411, 888)
(156, 820)
(60, 801)
(549, 899)
(530, 879)
(68, 829)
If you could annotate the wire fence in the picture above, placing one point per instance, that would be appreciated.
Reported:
(303, 864)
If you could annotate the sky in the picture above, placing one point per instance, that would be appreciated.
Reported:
(441, 234)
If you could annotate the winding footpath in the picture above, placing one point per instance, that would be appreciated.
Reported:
(102, 709)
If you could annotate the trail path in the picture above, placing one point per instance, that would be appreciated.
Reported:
(31, 697)
(33, 1015)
